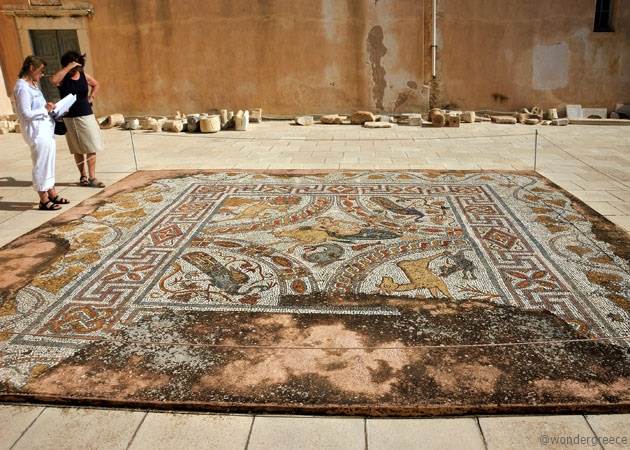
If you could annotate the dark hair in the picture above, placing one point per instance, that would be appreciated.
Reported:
(72, 56)
(31, 60)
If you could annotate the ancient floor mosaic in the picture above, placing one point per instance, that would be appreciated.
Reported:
(360, 291)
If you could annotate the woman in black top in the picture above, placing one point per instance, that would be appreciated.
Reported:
(83, 135)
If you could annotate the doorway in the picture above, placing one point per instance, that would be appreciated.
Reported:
(50, 45)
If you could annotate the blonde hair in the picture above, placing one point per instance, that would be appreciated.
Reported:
(31, 60)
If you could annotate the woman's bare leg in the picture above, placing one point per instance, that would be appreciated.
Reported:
(91, 163)
(80, 162)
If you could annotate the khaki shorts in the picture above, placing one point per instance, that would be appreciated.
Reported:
(83, 135)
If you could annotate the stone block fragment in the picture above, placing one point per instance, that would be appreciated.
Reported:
(468, 117)
(560, 122)
(332, 119)
(223, 114)
(552, 113)
(415, 120)
(304, 120)
(173, 126)
(147, 123)
(574, 112)
(479, 118)
(433, 112)
(132, 124)
(531, 121)
(437, 117)
(113, 120)
(192, 123)
(377, 124)
(241, 120)
(210, 124)
(594, 113)
(503, 119)
(623, 111)
(255, 115)
(360, 117)
(452, 120)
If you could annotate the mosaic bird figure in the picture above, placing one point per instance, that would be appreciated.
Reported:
(228, 280)
(324, 254)
(396, 208)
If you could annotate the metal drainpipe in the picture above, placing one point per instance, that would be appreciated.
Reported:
(434, 46)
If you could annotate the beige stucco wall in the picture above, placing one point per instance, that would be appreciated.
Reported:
(5, 101)
(317, 56)
(506, 54)
(287, 57)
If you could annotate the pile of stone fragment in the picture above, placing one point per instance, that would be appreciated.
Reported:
(9, 124)
(192, 123)
(438, 118)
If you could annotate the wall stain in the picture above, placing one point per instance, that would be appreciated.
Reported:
(402, 99)
(376, 51)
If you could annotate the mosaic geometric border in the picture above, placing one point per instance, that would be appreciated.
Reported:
(247, 242)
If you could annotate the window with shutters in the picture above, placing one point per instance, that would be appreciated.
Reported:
(603, 16)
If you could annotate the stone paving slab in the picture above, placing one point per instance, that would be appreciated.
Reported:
(169, 431)
(82, 428)
(385, 434)
(15, 421)
(306, 433)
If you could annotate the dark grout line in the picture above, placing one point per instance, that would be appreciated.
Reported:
(137, 429)
(249, 435)
(365, 433)
(483, 436)
(593, 431)
(27, 428)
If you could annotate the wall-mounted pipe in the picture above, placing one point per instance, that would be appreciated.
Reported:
(434, 45)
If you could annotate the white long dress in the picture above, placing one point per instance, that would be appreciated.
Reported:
(38, 130)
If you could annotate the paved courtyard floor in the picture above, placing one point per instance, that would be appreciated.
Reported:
(592, 163)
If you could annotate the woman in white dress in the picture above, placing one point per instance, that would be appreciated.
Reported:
(38, 131)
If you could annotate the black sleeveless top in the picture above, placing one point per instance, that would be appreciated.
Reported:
(79, 88)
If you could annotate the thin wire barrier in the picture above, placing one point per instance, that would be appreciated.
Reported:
(219, 138)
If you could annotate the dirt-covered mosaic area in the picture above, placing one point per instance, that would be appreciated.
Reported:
(399, 293)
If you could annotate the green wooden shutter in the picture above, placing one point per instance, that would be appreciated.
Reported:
(50, 45)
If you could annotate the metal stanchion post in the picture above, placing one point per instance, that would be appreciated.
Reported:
(535, 149)
(133, 148)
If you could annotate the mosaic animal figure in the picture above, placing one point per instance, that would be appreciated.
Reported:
(226, 279)
(330, 230)
(254, 208)
(459, 263)
(396, 208)
(305, 235)
(420, 277)
(344, 231)
(367, 234)
(324, 254)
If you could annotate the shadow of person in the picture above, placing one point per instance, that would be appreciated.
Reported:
(16, 206)
(12, 182)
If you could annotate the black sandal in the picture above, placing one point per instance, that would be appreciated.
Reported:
(58, 200)
(83, 181)
(49, 206)
(93, 182)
